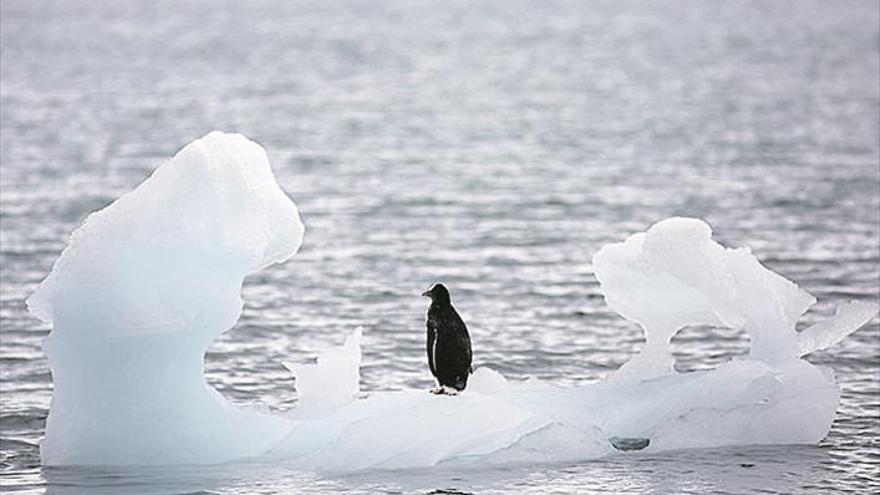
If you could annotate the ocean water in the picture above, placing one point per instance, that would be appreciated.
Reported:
(492, 146)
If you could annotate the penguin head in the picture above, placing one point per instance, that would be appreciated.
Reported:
(438, 293)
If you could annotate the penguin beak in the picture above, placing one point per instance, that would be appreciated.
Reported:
(427, 293)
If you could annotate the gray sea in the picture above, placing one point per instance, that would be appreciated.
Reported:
(492, 145)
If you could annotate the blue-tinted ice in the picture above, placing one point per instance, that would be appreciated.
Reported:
(147, 283)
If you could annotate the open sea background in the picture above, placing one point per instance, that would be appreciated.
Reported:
(494, 146)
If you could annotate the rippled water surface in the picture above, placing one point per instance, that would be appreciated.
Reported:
(493, 146)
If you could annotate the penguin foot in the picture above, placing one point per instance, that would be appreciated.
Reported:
(443, 390)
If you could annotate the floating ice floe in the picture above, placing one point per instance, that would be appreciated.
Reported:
(147, 283)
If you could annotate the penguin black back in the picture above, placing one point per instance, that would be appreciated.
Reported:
(448, 342)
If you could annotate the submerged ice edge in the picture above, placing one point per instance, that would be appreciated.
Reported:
(147, 283)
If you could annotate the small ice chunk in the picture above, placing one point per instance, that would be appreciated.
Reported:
(849, 318)
(487, 381)
(334, 380)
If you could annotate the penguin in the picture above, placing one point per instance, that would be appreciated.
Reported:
(449, 344)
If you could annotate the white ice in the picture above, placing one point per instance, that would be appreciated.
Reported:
(333, 380)
(142, 289)
(147, 283)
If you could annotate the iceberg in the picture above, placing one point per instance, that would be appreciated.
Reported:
(147, 283)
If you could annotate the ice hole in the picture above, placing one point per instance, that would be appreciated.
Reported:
(705, 347)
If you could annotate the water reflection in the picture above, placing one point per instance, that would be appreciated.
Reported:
(776, 469)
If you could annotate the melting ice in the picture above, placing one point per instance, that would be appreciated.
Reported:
(147, 283)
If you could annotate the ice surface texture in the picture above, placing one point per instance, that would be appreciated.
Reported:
(147, 283)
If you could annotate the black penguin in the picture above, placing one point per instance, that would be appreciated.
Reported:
(449, 345)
